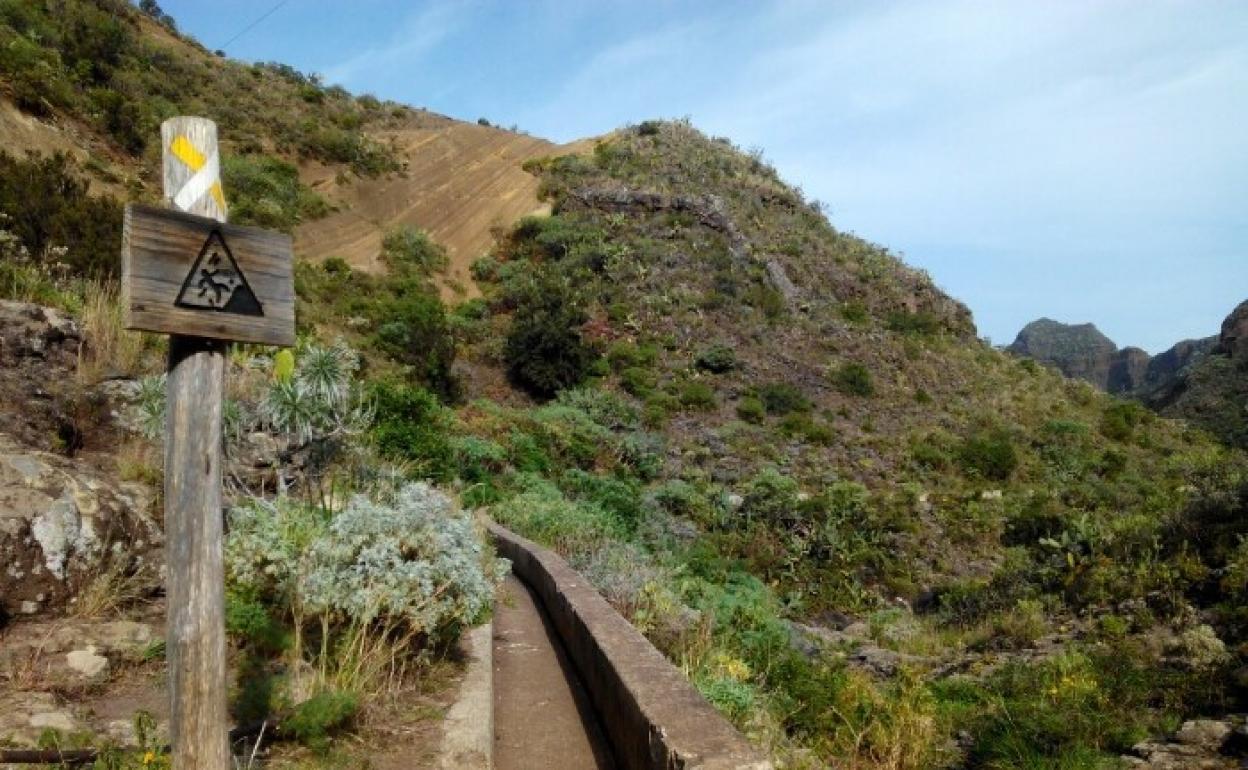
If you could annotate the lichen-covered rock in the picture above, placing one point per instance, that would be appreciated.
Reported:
(24, 716)
(60, 524)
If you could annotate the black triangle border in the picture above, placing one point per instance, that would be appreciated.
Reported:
(215, 233)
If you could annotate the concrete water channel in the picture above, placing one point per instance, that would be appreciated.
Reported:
(543, 718)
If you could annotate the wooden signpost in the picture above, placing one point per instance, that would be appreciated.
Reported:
(188, 274)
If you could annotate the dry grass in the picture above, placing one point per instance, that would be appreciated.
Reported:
(108, 348)
(139, 460)
(115, 587)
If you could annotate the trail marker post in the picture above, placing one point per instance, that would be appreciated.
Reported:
(189, 274)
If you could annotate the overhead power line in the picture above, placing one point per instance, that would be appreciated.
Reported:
(252, 25)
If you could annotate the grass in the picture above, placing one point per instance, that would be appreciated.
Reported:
(109, 349)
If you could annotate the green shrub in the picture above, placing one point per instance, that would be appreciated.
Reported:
(619, 497)
(414, 331)
(637, 381)
(853, 379)
(717, 359)
(478, 459)
(733, 698)
(48, 206)
(541, 512)
(625, 354)
(545, 351)
(783, 398)
(657, 408)
(989, 454)
(408, 248)
(921, 323)
(752, 410)
(315, 720)
(854, 312)
(410, 425)
(1118, 422)
(266, 191)
(413, 563)
(802, 425)
(697, 395)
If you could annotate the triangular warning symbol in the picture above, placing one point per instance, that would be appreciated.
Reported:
(216, 282)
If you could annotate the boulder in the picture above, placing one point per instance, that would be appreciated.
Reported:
(62, 523)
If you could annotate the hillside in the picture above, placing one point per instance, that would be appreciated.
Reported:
(374, 166)
(869, 539)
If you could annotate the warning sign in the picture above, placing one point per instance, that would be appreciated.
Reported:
(197, 277)
(216, 282)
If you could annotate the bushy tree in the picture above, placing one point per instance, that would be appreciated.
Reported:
(545, 350)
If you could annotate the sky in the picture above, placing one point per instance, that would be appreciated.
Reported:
(1084, 160)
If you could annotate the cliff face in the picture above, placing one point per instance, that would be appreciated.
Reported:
(1079, 351)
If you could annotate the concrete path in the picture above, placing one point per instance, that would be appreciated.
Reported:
(542, 716)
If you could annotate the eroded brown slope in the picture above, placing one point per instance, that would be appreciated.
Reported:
(463, 181)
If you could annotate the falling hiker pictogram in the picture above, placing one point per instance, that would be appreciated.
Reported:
(215, 282)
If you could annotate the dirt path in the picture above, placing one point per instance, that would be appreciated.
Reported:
(542, 717)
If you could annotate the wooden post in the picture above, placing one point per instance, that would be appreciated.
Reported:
(195, 647)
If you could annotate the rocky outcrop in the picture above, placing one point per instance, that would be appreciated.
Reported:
(1165, 368)
(1127, 370)
(1233, 340)
(1079, 351)
(61, 524)
(1200, 744)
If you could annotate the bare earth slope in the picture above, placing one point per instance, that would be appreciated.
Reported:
(462, 182)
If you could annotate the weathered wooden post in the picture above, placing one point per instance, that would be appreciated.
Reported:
(205, 283)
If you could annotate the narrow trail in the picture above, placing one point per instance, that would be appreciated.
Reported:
(542, 715)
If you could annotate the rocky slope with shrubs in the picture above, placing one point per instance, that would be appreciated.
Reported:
(869, 538)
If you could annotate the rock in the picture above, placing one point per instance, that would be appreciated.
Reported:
(1233, 339)
(60, 524)
(87, 663)
(1205, 733)
(1197, 745)
(25, 715)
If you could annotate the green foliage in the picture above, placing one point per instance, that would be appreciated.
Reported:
(717, 359)
(988, 454)
(477, 459)
(853, 379)
(266, 191)
(698, 395)
(752, 410)
(783, 398)
(48, 206)
(314, 721)
(802, 425)
(1119, 420)
(410, 425)
(545, 350)
(541, 512)
(409, 249)
(412, 563)
(416, 332)
(920, 323)
(407, 319)
(1076, 709)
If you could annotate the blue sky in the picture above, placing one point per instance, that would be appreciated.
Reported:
(1085, 160)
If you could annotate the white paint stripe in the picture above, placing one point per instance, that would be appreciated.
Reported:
(198, 185)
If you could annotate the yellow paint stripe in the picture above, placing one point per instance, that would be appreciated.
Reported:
(186, 152)
(218, 195)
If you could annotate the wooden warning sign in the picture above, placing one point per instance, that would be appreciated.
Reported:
(194, 276)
